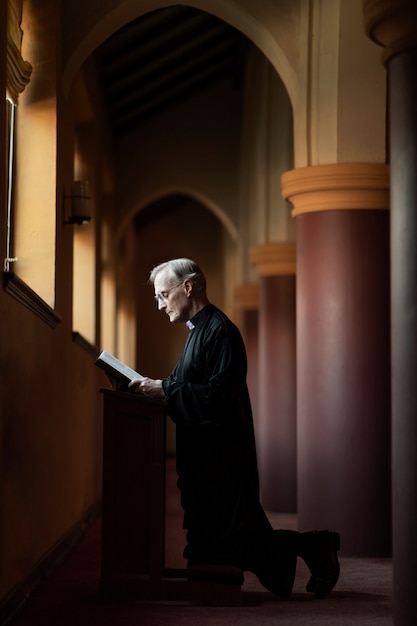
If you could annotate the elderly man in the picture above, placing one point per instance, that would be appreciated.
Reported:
(207, 398)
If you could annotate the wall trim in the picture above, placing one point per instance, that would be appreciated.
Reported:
(17, 288)
(274, 259)
(339, 186)
(246, 297)
(391, 24)
(85, 344)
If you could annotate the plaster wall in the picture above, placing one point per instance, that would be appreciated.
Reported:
(193, 149)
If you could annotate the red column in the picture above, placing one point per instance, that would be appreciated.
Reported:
(276, 423)
(246, 303)
(343, 352)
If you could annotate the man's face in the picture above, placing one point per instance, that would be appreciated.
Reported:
(171, 298)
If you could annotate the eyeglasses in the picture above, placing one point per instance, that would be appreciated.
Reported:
(163, 295)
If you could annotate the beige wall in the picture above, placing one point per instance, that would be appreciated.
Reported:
(50, 406)
(150, 163)
(50, 433)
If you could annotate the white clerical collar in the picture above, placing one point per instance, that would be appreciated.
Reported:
(189, 324)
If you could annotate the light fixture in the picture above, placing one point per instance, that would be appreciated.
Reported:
(79, 201)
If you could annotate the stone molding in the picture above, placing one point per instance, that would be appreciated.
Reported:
(392, 24)
(274, 259)
(340, 186)
(246, 297)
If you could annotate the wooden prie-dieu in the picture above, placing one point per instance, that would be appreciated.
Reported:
(133, 513)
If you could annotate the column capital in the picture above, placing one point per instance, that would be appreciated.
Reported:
(337, 186)
(274, 259)
(246, 297)
(392, 24)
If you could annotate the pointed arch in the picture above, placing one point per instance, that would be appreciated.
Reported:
(193, 194)
(107, 23)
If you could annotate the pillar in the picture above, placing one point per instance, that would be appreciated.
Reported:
(393, 24)
(246, 299)
(343, 352)
(276, 424)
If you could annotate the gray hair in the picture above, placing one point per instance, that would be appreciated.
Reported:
(179, 270)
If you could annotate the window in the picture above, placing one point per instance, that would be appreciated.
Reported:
(31, 108)
(10, 124)
(18, 74)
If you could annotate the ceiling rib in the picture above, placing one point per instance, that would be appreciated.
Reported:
(162, 58)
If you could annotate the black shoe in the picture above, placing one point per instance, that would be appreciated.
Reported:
(319, 551)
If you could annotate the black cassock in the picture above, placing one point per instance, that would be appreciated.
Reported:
(209, 402)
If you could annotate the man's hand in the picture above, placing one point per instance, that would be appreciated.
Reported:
(148, 387)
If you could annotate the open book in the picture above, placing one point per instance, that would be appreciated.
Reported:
(117, 370)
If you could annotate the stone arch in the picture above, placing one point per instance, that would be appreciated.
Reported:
(108, 23)
(193, 194)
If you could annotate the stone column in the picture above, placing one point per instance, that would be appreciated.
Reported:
(246, 299)
(276, 423)
(393, 24)
(343, 352)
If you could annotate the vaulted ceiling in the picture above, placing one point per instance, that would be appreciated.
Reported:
(160, 59)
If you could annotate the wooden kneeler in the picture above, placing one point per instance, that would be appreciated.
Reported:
(223, 582)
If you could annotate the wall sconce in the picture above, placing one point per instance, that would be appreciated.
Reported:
(79, 203)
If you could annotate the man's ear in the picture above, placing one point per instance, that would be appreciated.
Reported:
(188, 286)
